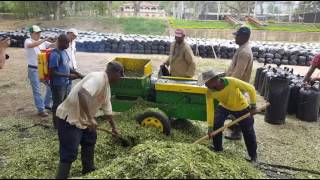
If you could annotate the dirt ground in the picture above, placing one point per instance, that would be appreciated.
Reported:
(295, 143)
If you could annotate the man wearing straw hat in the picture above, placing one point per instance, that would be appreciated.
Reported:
(228, 91)
(181, 58)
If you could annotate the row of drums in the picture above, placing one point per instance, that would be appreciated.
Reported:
(287, 94)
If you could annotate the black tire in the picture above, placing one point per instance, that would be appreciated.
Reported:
(161, 117)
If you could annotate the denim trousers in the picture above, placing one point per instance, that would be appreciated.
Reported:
(40, 103)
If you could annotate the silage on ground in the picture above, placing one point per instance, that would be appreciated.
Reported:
(171, 156)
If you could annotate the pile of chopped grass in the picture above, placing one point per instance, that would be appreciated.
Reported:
(171, 160)
(37, 155)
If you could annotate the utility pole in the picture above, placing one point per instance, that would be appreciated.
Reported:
(219, 6)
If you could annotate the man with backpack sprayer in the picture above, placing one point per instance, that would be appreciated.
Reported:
(33, 46)
(60, 73)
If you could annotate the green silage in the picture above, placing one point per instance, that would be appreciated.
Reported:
(153, 155)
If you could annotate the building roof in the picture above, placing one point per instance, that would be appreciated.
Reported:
(143, 4)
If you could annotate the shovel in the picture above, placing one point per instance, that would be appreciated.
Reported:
(230, 124)
(122, 141)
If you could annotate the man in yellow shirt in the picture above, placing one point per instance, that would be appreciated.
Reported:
(228, 91)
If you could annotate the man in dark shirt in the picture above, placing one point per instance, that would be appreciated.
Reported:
(60, 74)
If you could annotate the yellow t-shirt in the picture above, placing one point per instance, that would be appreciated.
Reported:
(231, 97)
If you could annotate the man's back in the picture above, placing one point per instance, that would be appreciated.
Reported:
(242, 63)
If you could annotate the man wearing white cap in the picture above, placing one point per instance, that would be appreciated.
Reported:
(181, 58)
(33, 46)
(71, 52)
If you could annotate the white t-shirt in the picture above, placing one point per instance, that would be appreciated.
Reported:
(97, 84)
(32, 53)
(71, 51)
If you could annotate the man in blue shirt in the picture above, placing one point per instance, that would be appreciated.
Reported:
(60, 74)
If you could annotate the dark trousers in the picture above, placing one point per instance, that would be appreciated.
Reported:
(70, 137)
(247, 128)
(59, 94)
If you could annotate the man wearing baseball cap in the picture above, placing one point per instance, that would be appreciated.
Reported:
(71, 52)
(240, 68)
(228, 92)
(33, 47)
(181, 58)
(77, 125)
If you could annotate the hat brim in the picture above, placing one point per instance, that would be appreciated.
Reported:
(235, 33)
(202, 82)
(179, 35)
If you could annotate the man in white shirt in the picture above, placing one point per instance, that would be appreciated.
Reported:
(33, 46)
(71, 51)
(76, 123)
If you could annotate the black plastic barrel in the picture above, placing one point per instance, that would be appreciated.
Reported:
(293, 98)
(256, 78)
(265, 85)
(261, 78)
(308, 104)
(278, 98)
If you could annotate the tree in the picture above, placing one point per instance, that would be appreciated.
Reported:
(239, 7)
(136, 7)
(109, 4)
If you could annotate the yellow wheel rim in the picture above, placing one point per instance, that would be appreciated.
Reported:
(153, 122)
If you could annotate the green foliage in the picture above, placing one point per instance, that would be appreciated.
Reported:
(6, 6)
(136, 25)
(193, 24)
(288, 27)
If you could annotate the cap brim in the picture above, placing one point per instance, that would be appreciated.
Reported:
(179, 35)
(235, 33)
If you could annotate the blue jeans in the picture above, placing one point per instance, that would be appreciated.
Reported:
(247, 127)
(36, 90)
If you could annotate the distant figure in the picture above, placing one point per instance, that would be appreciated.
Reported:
(181, 58)
(240, 68)
(33, 46)
(4, 44)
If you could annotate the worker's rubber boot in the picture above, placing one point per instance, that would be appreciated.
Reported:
(87, 158)
(63, 171)
(235, 133)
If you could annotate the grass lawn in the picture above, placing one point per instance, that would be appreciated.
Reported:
(129, 25)
(134, 25)
(288, 27)
(194, 24)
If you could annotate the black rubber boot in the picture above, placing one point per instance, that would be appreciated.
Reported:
(63, 171)
(235, 133)
(87, 158)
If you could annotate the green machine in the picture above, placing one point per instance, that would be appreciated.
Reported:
(176, 98)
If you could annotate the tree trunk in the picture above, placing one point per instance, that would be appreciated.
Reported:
(73, 8)
(261, 8)
(110, 8)
(136, 6)
(58, 10)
